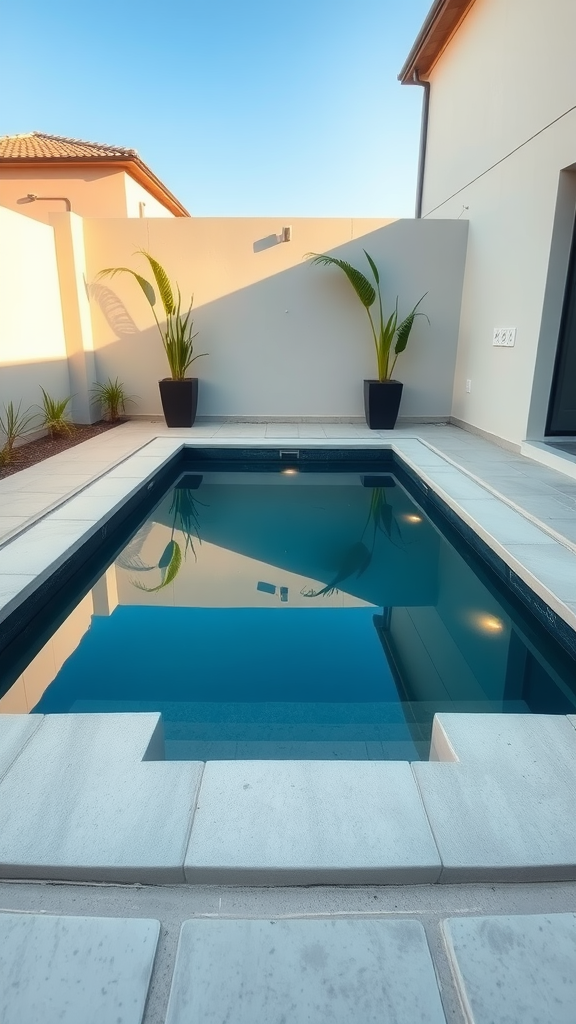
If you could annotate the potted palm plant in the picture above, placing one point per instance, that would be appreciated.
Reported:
(381, 396)
(178, 393)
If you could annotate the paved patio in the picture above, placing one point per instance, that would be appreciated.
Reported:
(534, 923)
(514, 811)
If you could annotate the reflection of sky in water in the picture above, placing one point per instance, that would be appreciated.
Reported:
(261, 615)
(219, 654)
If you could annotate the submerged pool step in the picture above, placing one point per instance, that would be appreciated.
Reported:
(297, 750)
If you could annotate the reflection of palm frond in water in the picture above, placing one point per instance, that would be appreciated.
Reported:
(134, 564)
(355, 562)
(130, 557)
(184, 512)
(169, 565)
(186, 518)
(382, 516)
(358, 557)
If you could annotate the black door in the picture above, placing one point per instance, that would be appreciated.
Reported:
(562, 409)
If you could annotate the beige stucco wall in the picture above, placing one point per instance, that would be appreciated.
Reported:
(505, 76)
(32, 342)
(284, 338)
(135, 195)
(92, 191)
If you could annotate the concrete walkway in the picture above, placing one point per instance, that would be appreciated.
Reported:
(494, 917)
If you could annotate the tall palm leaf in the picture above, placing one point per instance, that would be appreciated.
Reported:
(144, 284)
(387, 333)
(177, 336)
(162, 282)
(361, 285)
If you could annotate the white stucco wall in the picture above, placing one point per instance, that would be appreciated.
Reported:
(504, 77)
(32, 343)
(284, 338)
(136, 194)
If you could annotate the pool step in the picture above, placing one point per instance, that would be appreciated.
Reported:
(287, 750)
(89, 798)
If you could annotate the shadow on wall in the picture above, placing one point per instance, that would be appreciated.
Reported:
(298, 342)
(20, 382)
(113, 309)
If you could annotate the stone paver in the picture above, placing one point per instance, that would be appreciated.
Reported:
(15, 731)
(514, 970)
(75, 970)
(304, 972)
(81, 802)
(506, 809)
(310, 822)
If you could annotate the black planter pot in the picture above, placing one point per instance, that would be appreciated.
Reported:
(382, 402)
(179, 401)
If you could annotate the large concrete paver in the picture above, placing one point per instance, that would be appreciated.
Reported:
(307, 822)
(304, 972)
(505, 809)
(514, 970)
(15, 731)
(82, 803)
(75, 970)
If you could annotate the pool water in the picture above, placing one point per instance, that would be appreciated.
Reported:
(286, 614)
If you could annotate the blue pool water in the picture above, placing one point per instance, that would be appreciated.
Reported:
(291, 615)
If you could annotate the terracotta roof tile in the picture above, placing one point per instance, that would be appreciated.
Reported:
(39, 146)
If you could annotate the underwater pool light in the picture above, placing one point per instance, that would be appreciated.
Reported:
(487, 623)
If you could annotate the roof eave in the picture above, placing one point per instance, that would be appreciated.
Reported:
(133, 166)
(440, 24)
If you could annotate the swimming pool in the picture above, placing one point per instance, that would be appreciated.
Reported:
(286, 608)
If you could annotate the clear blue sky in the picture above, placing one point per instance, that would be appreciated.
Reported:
(242, 108)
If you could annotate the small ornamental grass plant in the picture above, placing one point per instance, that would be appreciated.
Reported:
(54, 416)
(112, 398)
(13, 424)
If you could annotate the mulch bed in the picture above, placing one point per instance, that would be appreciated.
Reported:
(36, 451)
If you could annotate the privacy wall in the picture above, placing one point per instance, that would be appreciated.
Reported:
(32, 342)
(283, 338)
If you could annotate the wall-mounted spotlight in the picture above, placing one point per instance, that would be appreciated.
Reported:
(31, 197)
(270, 240)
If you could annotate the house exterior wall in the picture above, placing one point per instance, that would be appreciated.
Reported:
(501, 95)
(92, 191)
(283, 338)
(135, 195)
(32, 341)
